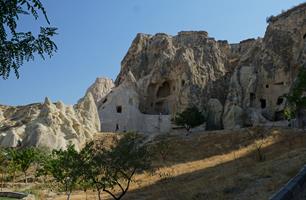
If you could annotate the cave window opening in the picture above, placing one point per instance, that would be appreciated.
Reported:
(252, 99)
(267, 86)
(183, 82)
(263, 103)
(280, 100)
(304, 37)
(119, 109)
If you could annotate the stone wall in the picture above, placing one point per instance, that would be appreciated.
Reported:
(120, 112)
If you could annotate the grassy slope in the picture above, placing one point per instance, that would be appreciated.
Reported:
(221, 165)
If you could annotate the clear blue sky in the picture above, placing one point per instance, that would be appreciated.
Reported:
(94, 36)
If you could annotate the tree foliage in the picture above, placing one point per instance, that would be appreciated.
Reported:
(191, 117)
(114, 167)
(297, 98)
(93, 168)
(64, 168)
(24, 158)
(17, 47)
(128, 156)
(98, 166)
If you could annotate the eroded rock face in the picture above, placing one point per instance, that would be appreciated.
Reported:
(49, 125)
(176, 71)
(173, 72)
(100, 88)
(268, 67)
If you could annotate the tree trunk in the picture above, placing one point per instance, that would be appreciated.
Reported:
(25, 178)
(68, 195)
(2, 180)
(99, 194)
(14, 176)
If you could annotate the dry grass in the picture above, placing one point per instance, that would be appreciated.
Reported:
(220, 165)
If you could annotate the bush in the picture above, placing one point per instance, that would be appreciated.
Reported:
(189, 118)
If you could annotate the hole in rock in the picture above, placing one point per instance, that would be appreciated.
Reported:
(119, 109)
(263, 103)
(280, 100)
(163, 90)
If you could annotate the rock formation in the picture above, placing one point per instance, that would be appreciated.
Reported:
(234, 84)
(100, 88)
(49, 125)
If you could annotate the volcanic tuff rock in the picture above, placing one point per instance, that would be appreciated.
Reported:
(49, 125)
(235, 84)
(100, 88)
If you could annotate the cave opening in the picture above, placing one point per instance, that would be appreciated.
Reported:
(263, 103)
(183, 82)
(280, 100)
(304, 36)
(119, 109)
(161, 107)
(163, 90)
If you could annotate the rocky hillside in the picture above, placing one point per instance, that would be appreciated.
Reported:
(235, 84)
(49, 125)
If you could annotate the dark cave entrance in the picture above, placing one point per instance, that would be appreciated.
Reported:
(263, 103)
(163, 90)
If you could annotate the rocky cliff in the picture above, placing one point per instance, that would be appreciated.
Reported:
(49, 125)
(234, 84)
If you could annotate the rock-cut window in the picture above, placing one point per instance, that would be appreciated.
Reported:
(119, 109)
(263, 103)
(280, 101)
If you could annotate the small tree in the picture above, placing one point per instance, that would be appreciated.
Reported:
(297, 98)
(93, 167)
(13, 163)
(3, 166)
(189, 118)
(162, 147)
(25, 158)
(128, 156)
(64, 167)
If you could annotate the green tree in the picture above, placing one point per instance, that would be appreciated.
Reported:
(3, 166)
(297, 98)
(93, 167)
(13, 164)
(125, 158)
(63, 166)
(25, 158)
(189, 118)
(17, 47)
